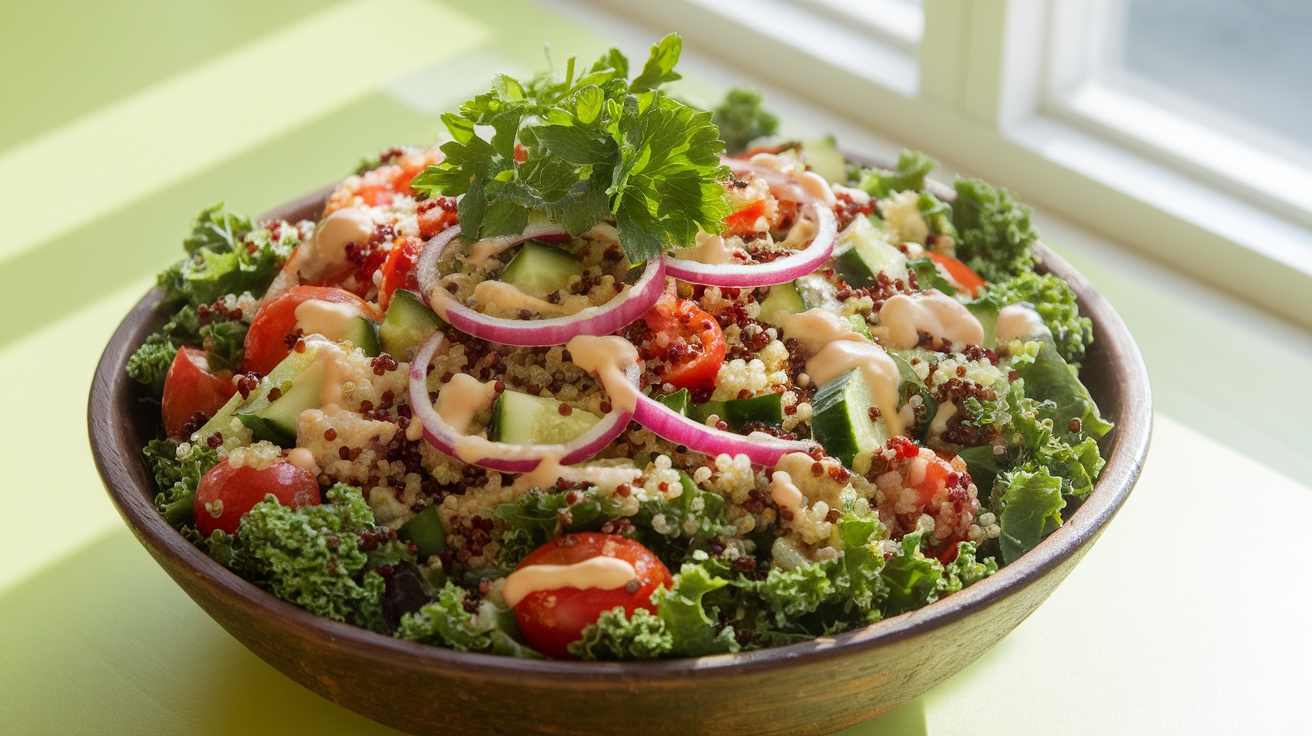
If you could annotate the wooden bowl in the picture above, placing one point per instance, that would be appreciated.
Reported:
(814, 687)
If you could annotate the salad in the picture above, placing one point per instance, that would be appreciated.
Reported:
(606, 376)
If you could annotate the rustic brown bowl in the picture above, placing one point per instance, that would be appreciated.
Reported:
(815, 687)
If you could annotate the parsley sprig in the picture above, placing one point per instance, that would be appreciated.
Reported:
(597, 145)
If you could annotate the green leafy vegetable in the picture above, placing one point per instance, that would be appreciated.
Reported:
(150, 363)
(448, 622)
(315, 556)
(689, 522)
(994, 231)
(694, 631)
(226, 256)
(538, 517)
(1054, 300)
(912, 168)
(742, 119)
(594, 146)
(1048, 378)
(616, 635)
(177, 477)
(1031, 504)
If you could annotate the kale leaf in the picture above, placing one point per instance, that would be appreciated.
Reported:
(150, 363)
(593, 146)
(912, 168)
(1031, 502)
(177, 477)
(1054, 300)
(994, 231)
(226, 256)
(742, 119)
(447, 622)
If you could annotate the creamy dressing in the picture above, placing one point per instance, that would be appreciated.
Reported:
(785, 494)
(1018, 321)
(462, 398)
(605, 573)
(710, 249)
(816, 328)
(345, 226)
(414, 431)
(606, 358)
(303, 459)
(486, 248)
(939, 424)
(510, 298)
(330, 319)
(903, 318)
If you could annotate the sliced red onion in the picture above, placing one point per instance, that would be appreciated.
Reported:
(779, 271)
(675, 427)
(501, 456)
(602, 320)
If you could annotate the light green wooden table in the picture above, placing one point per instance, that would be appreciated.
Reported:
(119, 121)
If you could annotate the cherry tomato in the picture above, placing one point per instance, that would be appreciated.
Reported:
(398, 271)
(744, 220)
(958, 273)
(266, 341)
(551, 620)
(687, 344)
(226, 493)
(190, 387)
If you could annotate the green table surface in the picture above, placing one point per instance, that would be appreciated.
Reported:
(118, 121)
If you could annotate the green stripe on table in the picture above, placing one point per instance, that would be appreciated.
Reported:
(72, 175)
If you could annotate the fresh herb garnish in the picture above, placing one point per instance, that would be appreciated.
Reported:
(592, 146)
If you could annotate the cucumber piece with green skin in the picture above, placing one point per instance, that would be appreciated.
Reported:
(539, 269)
(362, 333)
(840, 419)
(281, 376)
(911, 385)
(824, 159)
(521, 419)
(276, 421)
(861, 255)
(407, 324)
(424, 530)
(783, 301)
(678, 401)
(738, 413)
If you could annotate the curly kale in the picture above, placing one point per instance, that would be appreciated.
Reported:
(1054, 300)
(538, 517)
(1031, 502)
(912, 168)
(322, 558)
(742, 119)
(447, 621)
(150, 364)
(225, 256)
(994, 231)
(177, 477)
(617, 635)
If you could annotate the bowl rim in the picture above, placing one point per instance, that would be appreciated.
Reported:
(122, 470)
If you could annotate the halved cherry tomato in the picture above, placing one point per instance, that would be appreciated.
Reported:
(190, 387)
(958, 273)
(266, 341)
(551, 620)
(744, 220)
(398, 271)
(226, 493)
(687, 345)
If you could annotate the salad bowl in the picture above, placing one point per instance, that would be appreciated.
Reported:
(814, 687)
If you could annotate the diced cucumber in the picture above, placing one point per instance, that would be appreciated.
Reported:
(408, 323)
(782, 301)
(840, 420)
(539, 269)
(521, 419)
(363, 333)
(911, 385)
(276, 420)
(281, 376)
(678, 401)
(823, 157)
(861, 254)
(424, 530)
(738, 413)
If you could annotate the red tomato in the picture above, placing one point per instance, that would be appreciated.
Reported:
(744, 220)
(551, 620)
(398, 271)
(226, 493)
(958, 273)
(266, 341)
(687, 344)
(190, 387)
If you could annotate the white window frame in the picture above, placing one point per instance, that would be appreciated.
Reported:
(981, 92)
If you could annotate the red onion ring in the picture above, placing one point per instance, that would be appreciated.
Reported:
(603, 320)
(675, 427)
(779, 271)
(501, 456)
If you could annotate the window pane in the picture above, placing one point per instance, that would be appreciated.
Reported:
(1245, 66)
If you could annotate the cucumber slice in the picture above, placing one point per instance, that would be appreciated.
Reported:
(424, 530)
(281, 376)
(861, 255)
(362, 333)
(408, 323)
(738, 413)
(783, 301)
(540, 270)
(678, 401)
(841, 420)
(521, 419)
(276, 421)
(823, 157)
